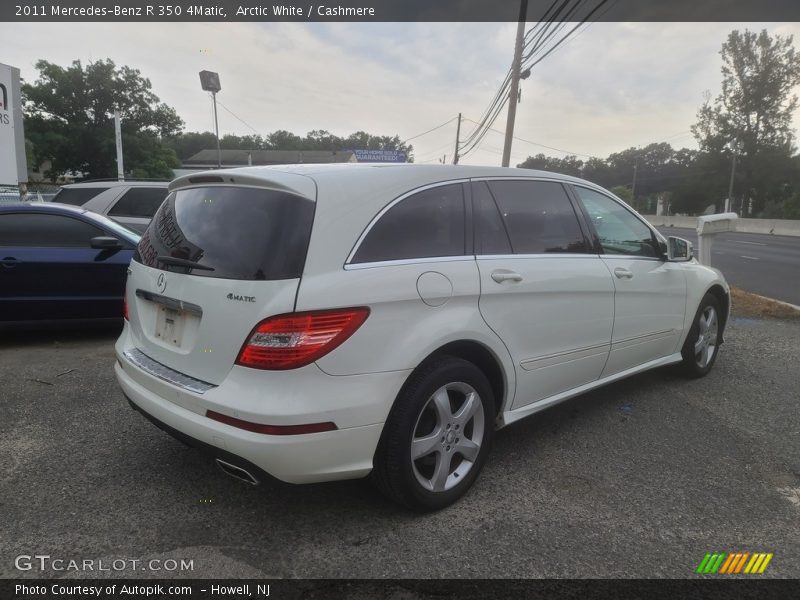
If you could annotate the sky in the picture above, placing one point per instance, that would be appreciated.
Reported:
(609, 87)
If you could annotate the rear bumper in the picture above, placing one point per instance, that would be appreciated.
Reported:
(208, 449)
(307, 458)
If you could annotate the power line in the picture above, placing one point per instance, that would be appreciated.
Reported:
(537, 143)
(501, 97)
(537, 39)
(413, 137)
(571, 31)
(437, 151)
(238, 118)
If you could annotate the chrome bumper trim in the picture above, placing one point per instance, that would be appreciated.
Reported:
(156, 369)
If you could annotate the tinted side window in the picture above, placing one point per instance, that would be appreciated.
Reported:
(427, 224)
(491, 236)
(139, 202)
(40, 230)
(538, 216)
(620, 232)
(77, 196)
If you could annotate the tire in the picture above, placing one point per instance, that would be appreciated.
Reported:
(449, 447)
(701, 347)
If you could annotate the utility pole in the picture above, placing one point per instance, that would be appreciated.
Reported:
(118, 136)
(633, 186)
(513, 94)
(458, 134)
(729, 199)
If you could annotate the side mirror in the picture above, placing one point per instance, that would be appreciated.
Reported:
(679, 250)
(106, 243)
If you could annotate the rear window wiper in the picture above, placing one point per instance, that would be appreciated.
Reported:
(182, 262)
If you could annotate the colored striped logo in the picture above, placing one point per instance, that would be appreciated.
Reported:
(734, 563)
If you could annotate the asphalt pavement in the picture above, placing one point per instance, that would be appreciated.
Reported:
(639, 479)
(768, 265)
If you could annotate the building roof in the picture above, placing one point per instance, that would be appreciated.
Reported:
(208, 158)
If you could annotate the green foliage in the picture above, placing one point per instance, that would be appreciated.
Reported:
(188, 144)
(622, 192)
(29, 154)
(752, 115)
(569, 165)
(69, 119)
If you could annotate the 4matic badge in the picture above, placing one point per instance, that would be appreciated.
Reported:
(241, 298)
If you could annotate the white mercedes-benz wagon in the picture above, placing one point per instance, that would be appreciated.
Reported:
(314, 323)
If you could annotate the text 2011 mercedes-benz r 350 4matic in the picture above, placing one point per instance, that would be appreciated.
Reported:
(315, 323)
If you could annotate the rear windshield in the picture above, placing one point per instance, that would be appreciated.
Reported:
(77, 196)
(238, 233)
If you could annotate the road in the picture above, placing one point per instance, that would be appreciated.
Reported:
(638, 479)
(768, 265)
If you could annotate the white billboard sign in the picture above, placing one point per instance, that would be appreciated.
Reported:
(13, 166)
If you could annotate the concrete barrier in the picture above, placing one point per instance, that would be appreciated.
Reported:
(767, 226)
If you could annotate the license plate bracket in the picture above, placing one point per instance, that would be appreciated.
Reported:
(169, 325)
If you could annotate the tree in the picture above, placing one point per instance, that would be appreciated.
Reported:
(622, 192)
(752, 115)
(190, 143)
(69, 120)
(569, 165)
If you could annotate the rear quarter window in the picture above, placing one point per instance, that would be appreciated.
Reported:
(139, 202)
(427, 224)
(77, 196)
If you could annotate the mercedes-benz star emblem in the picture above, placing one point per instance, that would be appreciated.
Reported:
(162, 283)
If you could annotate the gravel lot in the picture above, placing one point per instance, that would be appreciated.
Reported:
(639, 479)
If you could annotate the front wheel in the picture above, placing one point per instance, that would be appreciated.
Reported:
(437, 437)
(702, 344)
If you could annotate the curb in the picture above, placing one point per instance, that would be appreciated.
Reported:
(781, 302)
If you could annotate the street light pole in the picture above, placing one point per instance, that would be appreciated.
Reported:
(118, 138)
(209, 81)
(513, 94)
(216, 131)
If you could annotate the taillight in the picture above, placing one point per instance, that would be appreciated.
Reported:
(125, 304)
(297, 339)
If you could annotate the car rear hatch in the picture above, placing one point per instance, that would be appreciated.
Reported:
(218, 257)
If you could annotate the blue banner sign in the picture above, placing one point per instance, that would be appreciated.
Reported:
(392, 156)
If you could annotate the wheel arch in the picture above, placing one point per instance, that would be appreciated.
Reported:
(482, 357)
(724, 299)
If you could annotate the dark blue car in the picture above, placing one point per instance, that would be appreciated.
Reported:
(61, 263)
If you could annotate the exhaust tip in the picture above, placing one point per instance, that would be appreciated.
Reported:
(236, 472)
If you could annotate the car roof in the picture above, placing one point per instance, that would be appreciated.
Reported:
(45, 207)
(408, 171)
(379, 181)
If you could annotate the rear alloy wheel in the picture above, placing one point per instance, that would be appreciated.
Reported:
(436, 439)
(702, 344)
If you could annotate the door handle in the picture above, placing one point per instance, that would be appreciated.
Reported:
(501, 276)
(623, 273)
(9, 261)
